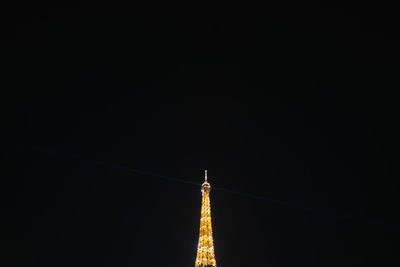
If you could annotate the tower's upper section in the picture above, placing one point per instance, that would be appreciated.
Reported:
(205, 187)
(205, 249)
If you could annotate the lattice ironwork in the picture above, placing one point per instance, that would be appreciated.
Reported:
(205, 249)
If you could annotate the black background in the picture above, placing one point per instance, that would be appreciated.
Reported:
(293, 102)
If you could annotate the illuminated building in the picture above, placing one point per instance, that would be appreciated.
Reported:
(205, 249)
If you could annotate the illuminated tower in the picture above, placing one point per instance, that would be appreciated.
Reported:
(205, 249)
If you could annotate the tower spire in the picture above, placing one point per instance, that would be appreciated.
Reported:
(205, 249)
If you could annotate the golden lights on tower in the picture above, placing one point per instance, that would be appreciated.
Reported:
(205, 249)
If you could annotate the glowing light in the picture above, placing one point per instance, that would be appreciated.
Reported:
(205, 248)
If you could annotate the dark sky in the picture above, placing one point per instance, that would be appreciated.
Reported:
(295, 103)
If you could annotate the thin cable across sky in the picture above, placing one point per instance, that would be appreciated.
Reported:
(239, 193)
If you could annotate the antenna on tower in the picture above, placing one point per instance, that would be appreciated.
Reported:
(205, 175)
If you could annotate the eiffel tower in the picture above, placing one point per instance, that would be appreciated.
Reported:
(205, 249)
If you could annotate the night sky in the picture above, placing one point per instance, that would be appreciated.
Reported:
(292, 106)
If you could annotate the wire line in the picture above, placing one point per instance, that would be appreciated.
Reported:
(243, 194)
